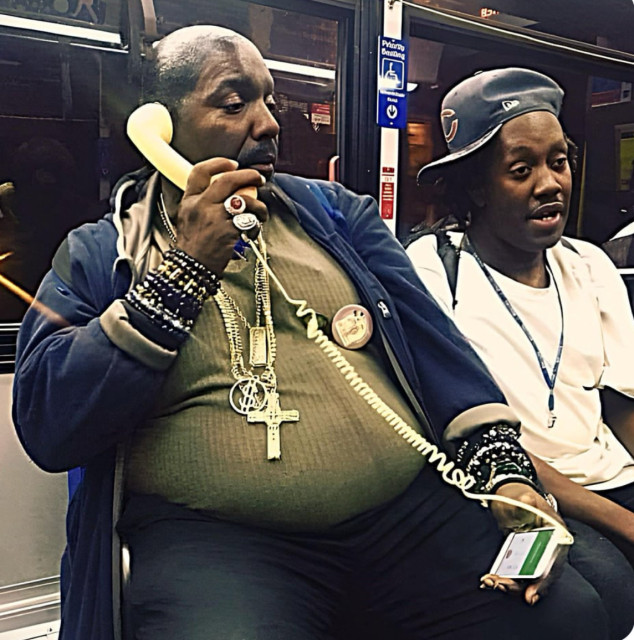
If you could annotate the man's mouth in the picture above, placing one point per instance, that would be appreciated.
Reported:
(547, 212)
(262, 158)
(263, 163)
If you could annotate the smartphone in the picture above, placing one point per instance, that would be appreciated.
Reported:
(527, 555)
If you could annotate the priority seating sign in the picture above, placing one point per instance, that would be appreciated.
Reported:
(391, 109)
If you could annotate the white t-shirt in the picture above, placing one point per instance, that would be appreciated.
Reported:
(598, 351)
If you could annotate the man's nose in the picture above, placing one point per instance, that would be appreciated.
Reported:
(546, 181)
(265, 124)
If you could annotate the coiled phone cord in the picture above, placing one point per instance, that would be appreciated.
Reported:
(450, 473)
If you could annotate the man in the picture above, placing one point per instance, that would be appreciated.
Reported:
(549, 316)
(264, 495)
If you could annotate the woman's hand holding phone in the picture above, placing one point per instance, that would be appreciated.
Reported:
(512, 518)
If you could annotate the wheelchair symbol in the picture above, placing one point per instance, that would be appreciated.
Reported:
(392, 74)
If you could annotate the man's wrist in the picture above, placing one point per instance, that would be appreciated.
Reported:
(493, 457)
(172, 295)
(500, 480)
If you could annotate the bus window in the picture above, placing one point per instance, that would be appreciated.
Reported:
(608, 24)
(63, 112)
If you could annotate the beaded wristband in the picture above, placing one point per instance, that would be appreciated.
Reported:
(172, 295)
(494, 457)
(501, 479)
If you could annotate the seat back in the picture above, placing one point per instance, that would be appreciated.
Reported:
(32, 529)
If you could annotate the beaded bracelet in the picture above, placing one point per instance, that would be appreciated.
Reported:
(172, 295)
(495, 457)
(500, 479)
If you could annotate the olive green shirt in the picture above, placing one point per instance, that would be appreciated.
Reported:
(340, 459)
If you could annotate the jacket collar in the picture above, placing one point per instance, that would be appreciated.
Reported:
(139, 244)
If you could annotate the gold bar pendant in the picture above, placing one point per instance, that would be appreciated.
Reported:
(257, 346)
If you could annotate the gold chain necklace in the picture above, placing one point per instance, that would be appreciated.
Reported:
(260, 337)
(250, 391)
(255, 395)
(165, 219)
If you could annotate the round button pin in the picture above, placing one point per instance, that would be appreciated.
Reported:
(352, 326)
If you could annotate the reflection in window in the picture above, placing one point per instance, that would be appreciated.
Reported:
(281, 34)
(96, 12)
(609, 197)
(48, 166)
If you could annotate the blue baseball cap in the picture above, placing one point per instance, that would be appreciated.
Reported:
(476, 108)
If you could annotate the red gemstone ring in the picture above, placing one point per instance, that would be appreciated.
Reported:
(234, 205)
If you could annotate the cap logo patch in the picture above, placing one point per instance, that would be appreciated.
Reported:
(450, 128)
(507, 105)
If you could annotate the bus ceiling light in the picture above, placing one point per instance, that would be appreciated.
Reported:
(300, 69)
(56, 28)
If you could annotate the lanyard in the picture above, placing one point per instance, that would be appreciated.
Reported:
(551, 378)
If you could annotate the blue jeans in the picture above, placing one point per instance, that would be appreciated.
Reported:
(408, 569)
(625, 497)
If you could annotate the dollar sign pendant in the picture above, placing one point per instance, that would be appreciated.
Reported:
(247, 394)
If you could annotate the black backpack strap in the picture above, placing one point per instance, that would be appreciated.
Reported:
(448, 253)
(416, 234)
(569, 245)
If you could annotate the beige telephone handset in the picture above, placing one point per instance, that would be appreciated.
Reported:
(151, 130)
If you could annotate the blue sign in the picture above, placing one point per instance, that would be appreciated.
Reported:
(391, 106)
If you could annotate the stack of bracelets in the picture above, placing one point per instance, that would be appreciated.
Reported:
(172, 295)
(495, 458)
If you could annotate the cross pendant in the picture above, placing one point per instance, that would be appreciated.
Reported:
(273, 416)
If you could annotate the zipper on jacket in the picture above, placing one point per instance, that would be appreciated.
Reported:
(383, 309)
(421, 414)
(419, 411)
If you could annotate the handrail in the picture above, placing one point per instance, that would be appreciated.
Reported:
(29, 597)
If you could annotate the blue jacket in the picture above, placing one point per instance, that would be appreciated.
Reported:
(79, 393)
